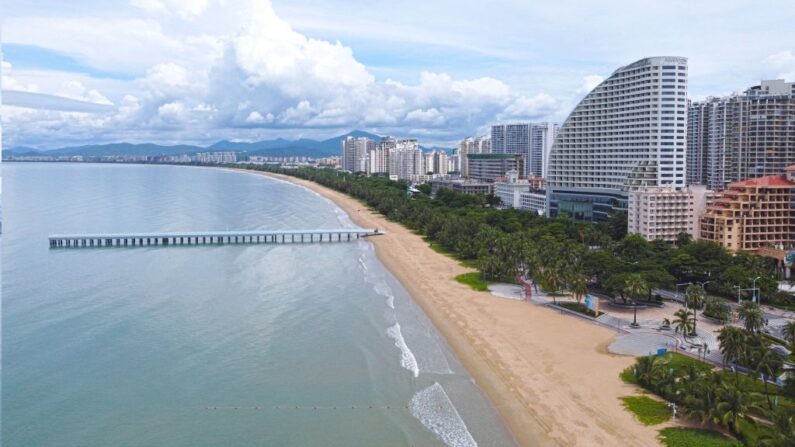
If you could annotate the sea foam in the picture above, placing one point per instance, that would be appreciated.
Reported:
(407, 359)
(437, 413)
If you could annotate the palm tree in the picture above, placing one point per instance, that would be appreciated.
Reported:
(732, 343)
(701, 400)
(683, 322)
(694, 296)
(789, 334)
(752, 316)
(783, 431)
(734, 406)
(579, 287)
(768, 364)
(636, 287)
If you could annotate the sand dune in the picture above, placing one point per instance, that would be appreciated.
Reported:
(549, 375)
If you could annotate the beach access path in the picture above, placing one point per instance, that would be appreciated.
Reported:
(549, 375)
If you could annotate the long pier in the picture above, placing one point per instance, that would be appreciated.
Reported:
(209, 238)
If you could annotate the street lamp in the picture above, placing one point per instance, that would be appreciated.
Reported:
(754, 288)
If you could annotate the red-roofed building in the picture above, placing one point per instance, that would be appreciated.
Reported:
(755, 215)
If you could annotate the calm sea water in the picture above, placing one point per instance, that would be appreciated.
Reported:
(278, 345)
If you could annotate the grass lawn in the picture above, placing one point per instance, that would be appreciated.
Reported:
(628, 376)
(579, 308)
(474, 280)
(679, 362)
(648, 411)
(692, 437)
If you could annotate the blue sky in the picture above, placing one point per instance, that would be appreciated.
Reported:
(196, 71)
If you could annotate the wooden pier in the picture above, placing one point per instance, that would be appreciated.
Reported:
(209, 238)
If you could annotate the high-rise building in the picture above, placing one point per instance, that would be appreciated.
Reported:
(531, 140)
(405, 159)
(440, 162)
(630, 129)
(742, 135)
(354, 150)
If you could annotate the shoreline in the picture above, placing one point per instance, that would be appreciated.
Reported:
(547, 375)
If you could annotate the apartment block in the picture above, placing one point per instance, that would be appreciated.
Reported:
(490, 167)
(531, 140)
(663, 213)
(742, 136)
(753, 214)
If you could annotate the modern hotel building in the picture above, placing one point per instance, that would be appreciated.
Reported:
(627, 133)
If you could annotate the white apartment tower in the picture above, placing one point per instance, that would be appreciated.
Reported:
(627, 133)
(532, 140)
(354, 151)
(405, 159)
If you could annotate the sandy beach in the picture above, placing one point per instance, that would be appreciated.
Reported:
(549, 375)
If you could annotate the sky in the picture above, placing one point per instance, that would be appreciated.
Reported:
(199, 71)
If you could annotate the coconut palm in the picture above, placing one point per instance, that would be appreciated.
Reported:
(648, 370)
(683, 322)
(701, 401)
(783, 431)
(788, 332)
(694, 296)
(768, 365)
(734, 406)
(636, 287)
(752, 316)
(579, 287)
(732, 343)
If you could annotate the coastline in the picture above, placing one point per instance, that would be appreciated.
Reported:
(548, 375)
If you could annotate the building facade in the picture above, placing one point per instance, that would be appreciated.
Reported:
(742, 136)
(637, 115)
(753, 214)
(463, 186)
(531, 140)
(490, 167)
(354, 150)
(405, 159)
(663, 213)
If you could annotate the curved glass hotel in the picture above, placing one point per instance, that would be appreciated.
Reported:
(628, 133)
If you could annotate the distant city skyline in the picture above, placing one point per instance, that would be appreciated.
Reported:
(198, 71)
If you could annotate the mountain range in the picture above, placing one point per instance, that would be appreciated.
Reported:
(277, 147)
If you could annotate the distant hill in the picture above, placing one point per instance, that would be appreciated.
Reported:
(277, 147)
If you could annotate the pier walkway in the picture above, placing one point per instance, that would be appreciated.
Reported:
(209, 238)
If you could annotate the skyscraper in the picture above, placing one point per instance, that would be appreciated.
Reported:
(405, 159)
(531, 140)
(628, 132)
(742, 135)
(354, 151)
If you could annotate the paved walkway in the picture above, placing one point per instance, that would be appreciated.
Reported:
(645, 339)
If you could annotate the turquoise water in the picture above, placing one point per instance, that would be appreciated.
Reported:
(278, 345)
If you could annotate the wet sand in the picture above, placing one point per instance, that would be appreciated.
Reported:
(549, 375)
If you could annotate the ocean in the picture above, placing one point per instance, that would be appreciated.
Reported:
(236, 345)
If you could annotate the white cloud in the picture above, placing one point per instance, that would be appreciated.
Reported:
(783, 63)
(590, 82)
(255, 72)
